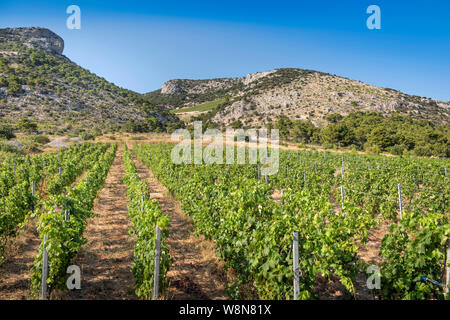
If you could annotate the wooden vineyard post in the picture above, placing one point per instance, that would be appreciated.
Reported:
(282, 194)
(66, 215)
(445, 171)
(267, 179)
(157, 261)
(295, 265)
(87, 180)
(44, 274)
(60, 172)
(342, 197)
(400, 204)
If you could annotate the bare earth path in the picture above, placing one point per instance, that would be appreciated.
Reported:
(196, 272)
(15, 274)
(106, 259)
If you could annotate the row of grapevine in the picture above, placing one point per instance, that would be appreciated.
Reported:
(415, 247)
(145, 214)
(41, 174)
(62, 222)
(253, 233)
(36, 168)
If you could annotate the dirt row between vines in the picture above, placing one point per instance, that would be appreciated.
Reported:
(105, 261)
(196, 273)
(15, 274)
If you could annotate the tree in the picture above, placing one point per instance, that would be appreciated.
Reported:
(6, 132)
(304, 131)
(283, 124)
(382, 138)
(236, 124)
(27, 126)
(338, 134)
(334, 117)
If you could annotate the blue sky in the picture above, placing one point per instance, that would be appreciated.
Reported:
(140, 44)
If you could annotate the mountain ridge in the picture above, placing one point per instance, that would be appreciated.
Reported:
(298, 94)
(38, 82)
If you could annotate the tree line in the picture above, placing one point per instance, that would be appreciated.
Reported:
(370, 131)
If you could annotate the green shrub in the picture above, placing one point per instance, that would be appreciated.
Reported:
(423, 151)
(6, 132)
(87, 136)
(41, 139)
(26, 125)
(376, 149)
(5, 147)
(398, 149)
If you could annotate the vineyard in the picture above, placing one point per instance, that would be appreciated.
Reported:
(333, 202)
(339, 205)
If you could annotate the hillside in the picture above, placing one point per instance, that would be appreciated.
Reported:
(41, 84)
(297, 94)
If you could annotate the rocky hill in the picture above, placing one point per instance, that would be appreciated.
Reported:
(38, 82)
(35, 38)
(298, 94)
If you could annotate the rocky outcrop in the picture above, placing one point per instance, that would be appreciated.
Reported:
(191, 87)
(173, 87)
(33, 38)
(251, 77)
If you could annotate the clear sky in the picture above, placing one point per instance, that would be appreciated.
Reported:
(140, 44)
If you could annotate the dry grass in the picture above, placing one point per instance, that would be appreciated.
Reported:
(15, 275)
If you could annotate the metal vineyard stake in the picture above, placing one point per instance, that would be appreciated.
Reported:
(157, 261)
(400, 204)
(44, 274)
(295, 265)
